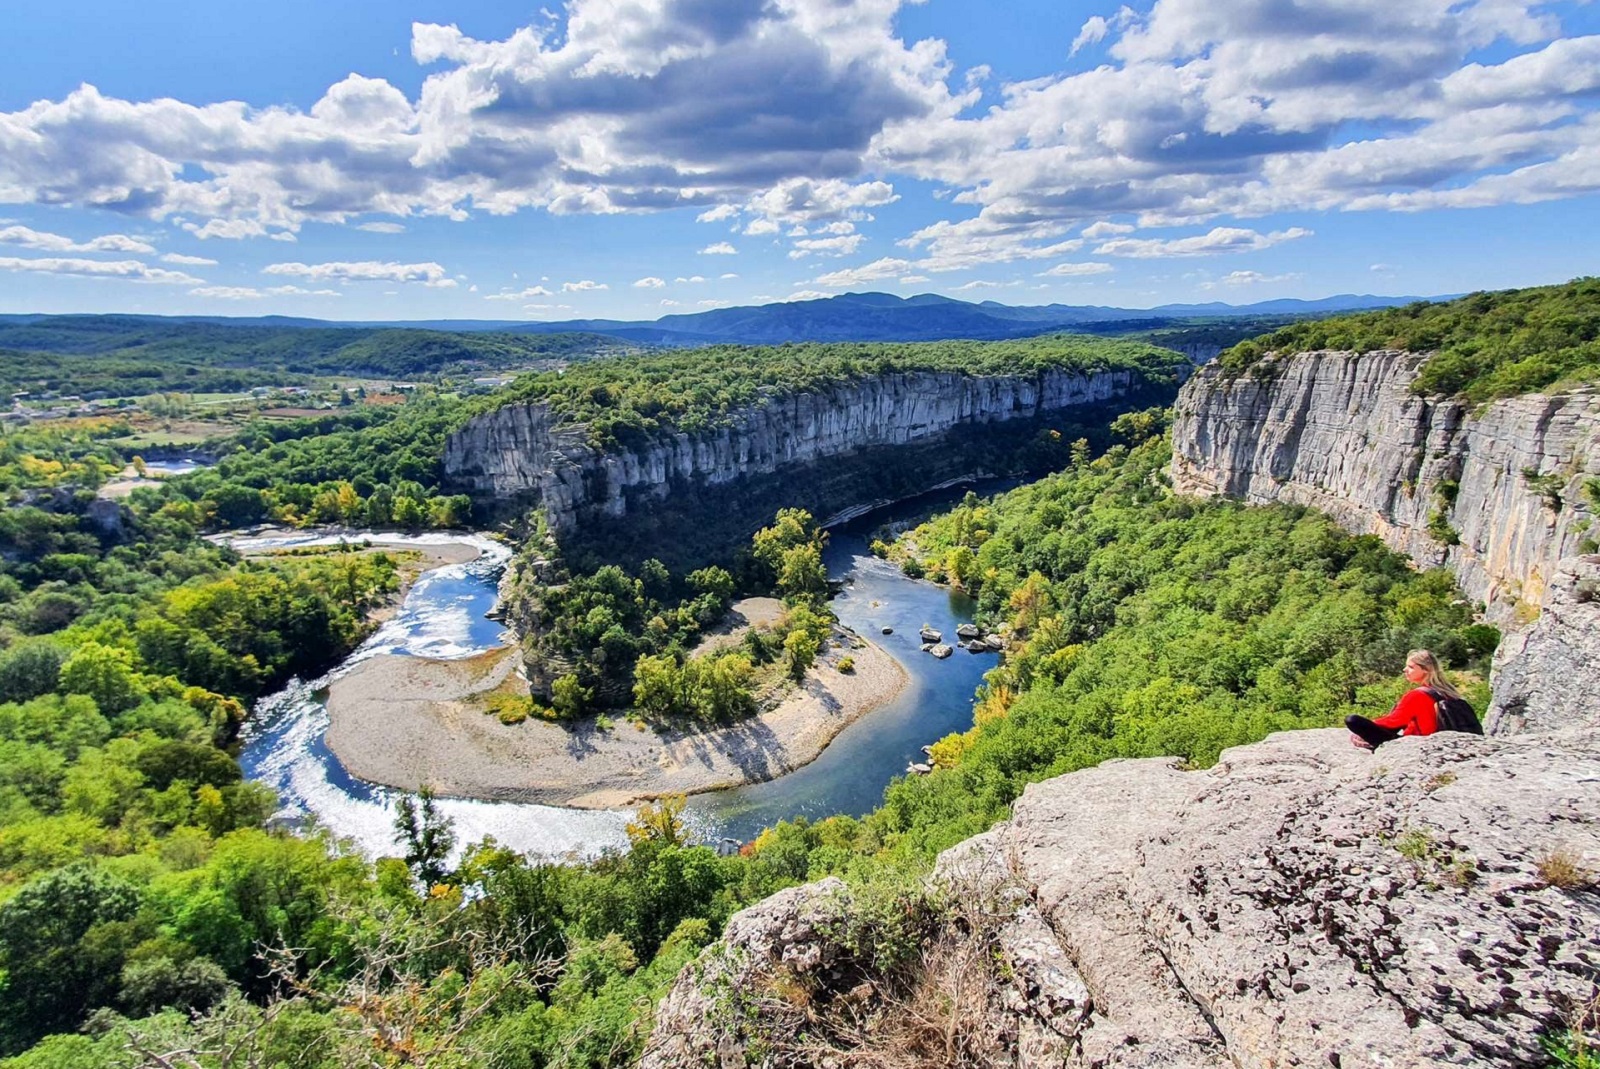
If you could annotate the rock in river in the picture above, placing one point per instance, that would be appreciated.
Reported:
(968, 631)
(941, 651)
(928, 634)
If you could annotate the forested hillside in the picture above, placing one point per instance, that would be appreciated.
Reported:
(1487, 345)
(696, 389)
(126, 356)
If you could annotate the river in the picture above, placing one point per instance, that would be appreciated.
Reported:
(442, 616)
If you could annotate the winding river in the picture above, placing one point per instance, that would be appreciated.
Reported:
(443, 616)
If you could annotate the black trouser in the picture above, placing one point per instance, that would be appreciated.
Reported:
(1369, 732)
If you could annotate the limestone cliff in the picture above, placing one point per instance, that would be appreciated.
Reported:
(1302, 903)
(933, 424)
(1498, 495)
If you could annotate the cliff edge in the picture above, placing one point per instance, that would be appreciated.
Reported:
(1301, 903)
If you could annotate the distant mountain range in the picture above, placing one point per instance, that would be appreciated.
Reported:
(847, 317)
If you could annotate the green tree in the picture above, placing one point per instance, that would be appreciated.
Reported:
(29, 669)
(62, 943)
(105, 674)
(427, 835)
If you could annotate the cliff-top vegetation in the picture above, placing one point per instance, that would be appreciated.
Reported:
(1485, 345)
(635, 397)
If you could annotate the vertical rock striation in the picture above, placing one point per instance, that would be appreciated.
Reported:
(1498, 495)
(522, 452)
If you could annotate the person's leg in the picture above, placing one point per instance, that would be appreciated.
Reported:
(1368, 732)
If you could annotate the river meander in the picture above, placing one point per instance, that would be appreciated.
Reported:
(443, 616)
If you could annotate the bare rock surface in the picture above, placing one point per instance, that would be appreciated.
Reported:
(1343, 433)
(1302, 903)
(524, 451)
(1545, 675)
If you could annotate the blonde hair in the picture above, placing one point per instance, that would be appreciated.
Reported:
(1425, 660)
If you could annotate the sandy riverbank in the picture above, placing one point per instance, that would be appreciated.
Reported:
(406, 722)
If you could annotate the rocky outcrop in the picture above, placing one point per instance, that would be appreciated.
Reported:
(1302, 903)
(1545, 674)
(1498, 495)
(521, 452)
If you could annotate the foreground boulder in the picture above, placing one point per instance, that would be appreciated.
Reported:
(1302, 903)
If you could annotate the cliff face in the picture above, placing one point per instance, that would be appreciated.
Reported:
(519, 452)
(1302, 903)
(1344, 434)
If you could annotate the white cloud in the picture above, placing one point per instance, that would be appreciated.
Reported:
(876, 271)
(250, 293)
(802, 113)
(669, 304)
(131, 270)
(382, 228)
(710, 303)
(228, 293)
(631, 107)
(843, 245)
(649, 283)
(428, 274)
(1106, 229)
(911, 280)
(1093, 32)
(727, 275)
(691, 278)
(1073, 270)
(43, 242)
(1218, 240)
(985, 284)
(721, 248)
(1248, 278)
(186, 260)
(583, 286)
(1382, 268)
(807, 295)
(520, 295)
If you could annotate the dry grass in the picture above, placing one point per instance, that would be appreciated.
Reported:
(1564, 868)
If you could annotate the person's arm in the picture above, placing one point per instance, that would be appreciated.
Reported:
(1406, 716)
(1401, 716)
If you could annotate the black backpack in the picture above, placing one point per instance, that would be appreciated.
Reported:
(1455, 714)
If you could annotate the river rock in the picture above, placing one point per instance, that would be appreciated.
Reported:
(995, 642)
(941, 651)
(888, 630)
(917, 768)
(928, 634)
(968, 631)
(1302, 903)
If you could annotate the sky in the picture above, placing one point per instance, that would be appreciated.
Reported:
(395, 159)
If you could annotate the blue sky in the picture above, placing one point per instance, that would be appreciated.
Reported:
(632, 158)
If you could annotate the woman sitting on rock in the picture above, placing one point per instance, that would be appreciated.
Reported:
(1415, 713)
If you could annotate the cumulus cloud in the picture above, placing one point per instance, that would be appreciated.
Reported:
(44, 242)
(795, 115)
(382, 228)
(186, 260)
(628, 107)
(520, 295)
(1073, 270)
(228, 293)
(131, 270)
(842, 245)
(428, 274)
(583, 286)
(1249, 278)
(721, 248)
(877, 270)
(1217, 240)
(649, 283)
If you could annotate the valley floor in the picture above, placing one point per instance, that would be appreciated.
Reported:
(408, 722)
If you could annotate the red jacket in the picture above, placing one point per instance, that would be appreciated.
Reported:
(1413, 714)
